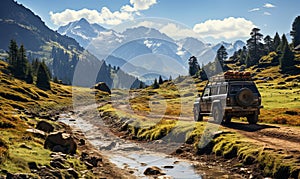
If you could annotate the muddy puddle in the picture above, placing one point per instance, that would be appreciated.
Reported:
(125, 154)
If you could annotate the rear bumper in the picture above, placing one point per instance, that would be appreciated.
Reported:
(237, 108)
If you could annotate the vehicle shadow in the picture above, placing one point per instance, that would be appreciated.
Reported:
(248, 127)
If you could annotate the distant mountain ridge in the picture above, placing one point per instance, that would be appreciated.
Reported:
(25, 27)
(137, 41)
(82, 31)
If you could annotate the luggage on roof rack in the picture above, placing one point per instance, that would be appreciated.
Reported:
(232, 76)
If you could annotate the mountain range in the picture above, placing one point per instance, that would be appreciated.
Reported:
(138, 51)
(66, 58)
(140, 48)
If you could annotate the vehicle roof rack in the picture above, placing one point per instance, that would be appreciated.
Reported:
(231, 76)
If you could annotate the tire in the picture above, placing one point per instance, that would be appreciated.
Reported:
(245, 97)
(217, 113)
(197, 115)
(227, 119)
(252, 119)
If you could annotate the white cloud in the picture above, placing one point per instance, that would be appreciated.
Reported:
(105, 16)
(170, 28)
(178, 32)
(267, 13)
(228, 28)
(142, 4)
(254, 9)
(268, 5)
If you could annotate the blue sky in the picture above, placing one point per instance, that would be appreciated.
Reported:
(212, 20)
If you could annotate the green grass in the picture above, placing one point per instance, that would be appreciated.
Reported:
(280, 101)
(18, 158)
(16, 94)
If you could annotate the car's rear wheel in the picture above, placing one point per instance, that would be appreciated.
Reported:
(253, 118)
(217, 113)
(197, 115)
(227, 119)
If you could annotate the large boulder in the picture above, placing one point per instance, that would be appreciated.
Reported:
(102, 87)
(44, 126)
(60, 142)
(153, 170)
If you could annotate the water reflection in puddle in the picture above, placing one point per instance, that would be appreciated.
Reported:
(130, 156)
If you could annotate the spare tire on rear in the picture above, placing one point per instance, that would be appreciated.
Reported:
(245, 97)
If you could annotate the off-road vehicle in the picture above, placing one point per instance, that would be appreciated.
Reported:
(233, 94)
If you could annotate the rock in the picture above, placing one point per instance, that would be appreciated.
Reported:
(37, 133)
(19, 176)
(58, 148)
(109, 147)
(62, 139)
(84, 155)
(94, 161)
(57, 164)
(102, 87)
(153, 170)
(73, 173)
(32, 166)
(88, 165)
(81, 142)
(179, 151)
(169, 167)
(45, 126)
(25, 146)
(144, 164)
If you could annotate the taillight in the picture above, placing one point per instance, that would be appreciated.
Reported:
(227, 101)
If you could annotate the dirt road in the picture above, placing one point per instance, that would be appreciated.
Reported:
(135, 156)
(278, 137)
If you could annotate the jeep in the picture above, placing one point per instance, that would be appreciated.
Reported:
(233, 94)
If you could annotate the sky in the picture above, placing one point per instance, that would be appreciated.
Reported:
(210, 20)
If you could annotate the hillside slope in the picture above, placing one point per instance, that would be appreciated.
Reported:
(22, 152)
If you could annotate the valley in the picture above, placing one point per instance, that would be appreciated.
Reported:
(108, 93)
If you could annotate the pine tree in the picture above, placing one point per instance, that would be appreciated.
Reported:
(21, 65)
(295, 33)
(35, 64)
(286, 60)
(142, 85)
(160, 80)
(255, 50)
(43, 79)
(203, 75)
(268, 44)
(221, 56)
(170, 78)
(276, 41)
(284, 41)
(155, 84)
(13, 55)
(29, 75)
(193, 66)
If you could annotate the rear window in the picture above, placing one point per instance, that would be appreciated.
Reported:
(223, 89)
(235, 88)
(214, 90)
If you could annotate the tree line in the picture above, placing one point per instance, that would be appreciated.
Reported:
(35, 72)
(257, 46)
